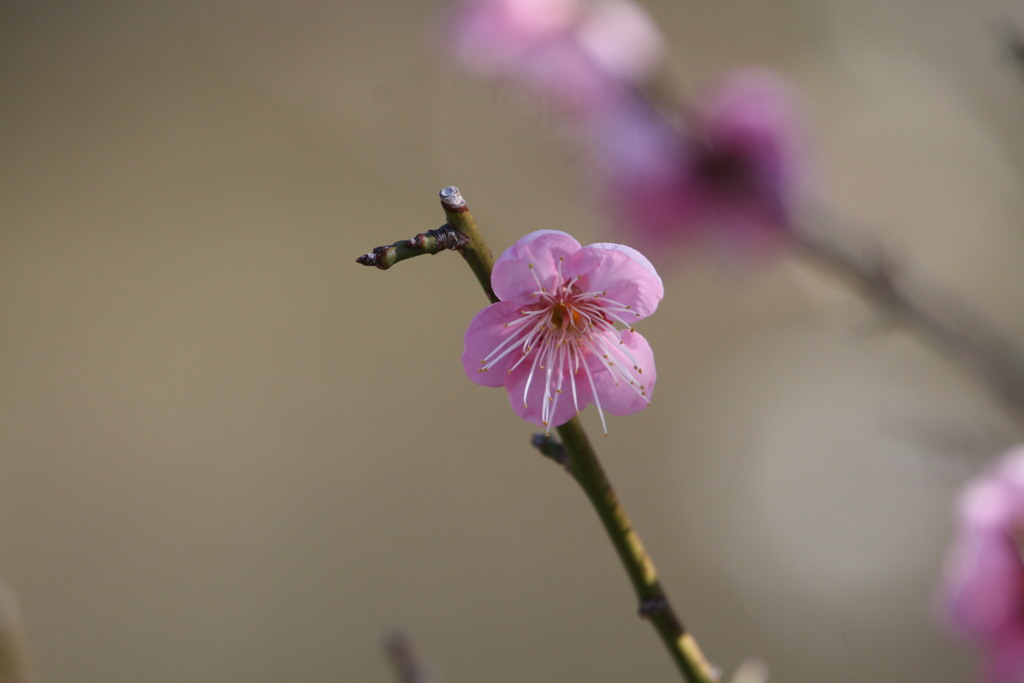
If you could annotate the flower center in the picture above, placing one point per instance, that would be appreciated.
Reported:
(725, 170)
(565, 315)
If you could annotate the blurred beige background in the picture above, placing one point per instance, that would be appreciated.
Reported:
(231, 454)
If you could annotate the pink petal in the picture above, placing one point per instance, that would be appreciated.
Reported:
(531, 410)
(486, 331)
(616, 395)
(512, 279)
(623, 274)
(1010, 474)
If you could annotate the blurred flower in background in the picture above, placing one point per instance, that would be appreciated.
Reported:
(580, 56)
(729, 170)
(732, 173)
(984, 582)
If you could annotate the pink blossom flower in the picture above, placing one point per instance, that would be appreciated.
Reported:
(733, 173)
(579, 54)
(552, 341)
(984, 574)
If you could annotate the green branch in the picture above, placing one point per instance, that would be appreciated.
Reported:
(458, 234)
(654, 604)
(429, 242)
(578, 457)
(475, 251)
(574, 452)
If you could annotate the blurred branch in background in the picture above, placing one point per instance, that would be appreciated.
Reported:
(1015, 46)
(408, 667)
(15, 657)
(965, 337)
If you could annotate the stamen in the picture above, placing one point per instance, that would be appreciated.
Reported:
(546, 406)
(619, 371)
(529, 379)
(507, 345)
(597, 399)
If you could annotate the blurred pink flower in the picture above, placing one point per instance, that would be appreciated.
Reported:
(733, 173)
(551, 340)
(576, 53)
(984, 573)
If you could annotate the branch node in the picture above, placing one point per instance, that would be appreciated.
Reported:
(447, 237)
(550, 448)
(652, 607)
(407, 665)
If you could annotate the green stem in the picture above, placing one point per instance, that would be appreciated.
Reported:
(587, 471)
(429, 242)
(459, 233)
(476, 252)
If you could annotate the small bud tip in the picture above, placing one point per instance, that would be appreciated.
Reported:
(451, 197)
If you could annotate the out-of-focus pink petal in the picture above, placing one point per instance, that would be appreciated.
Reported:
(542, 250)
(623, 274)
(618, 397)
(1004, 656)
(582, 57)
(494, 36)
(757, 107)
(1010, 475)
(983, 566)
(631, 140)
(488, 329)
(983, 577)
(622, 40)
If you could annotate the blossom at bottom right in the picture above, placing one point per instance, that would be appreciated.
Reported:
(983, 586)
